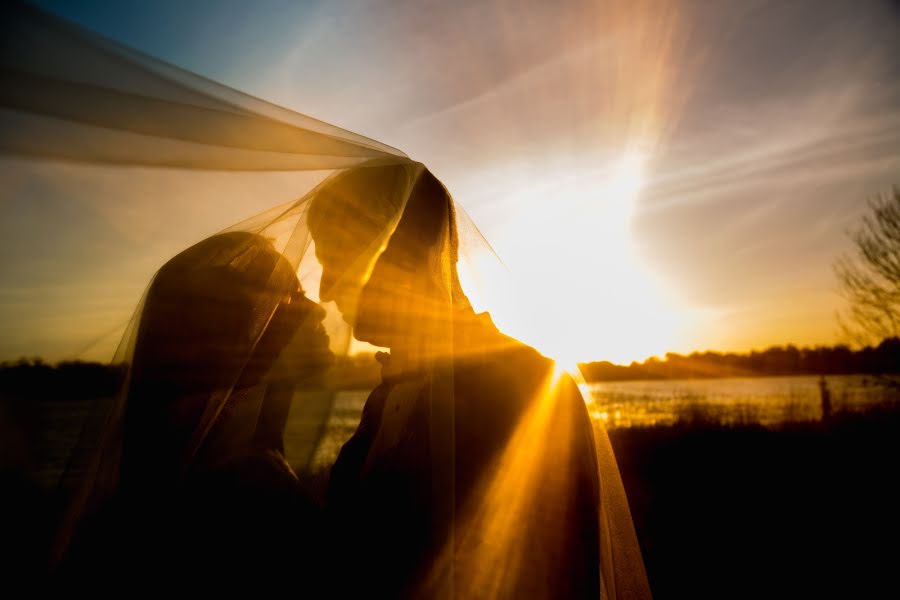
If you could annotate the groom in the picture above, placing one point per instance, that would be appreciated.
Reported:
(473, 471)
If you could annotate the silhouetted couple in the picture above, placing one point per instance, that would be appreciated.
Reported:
(473, 472)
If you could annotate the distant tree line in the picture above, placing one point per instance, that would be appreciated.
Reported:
(777, 360)
(75, 380)
(34, 378)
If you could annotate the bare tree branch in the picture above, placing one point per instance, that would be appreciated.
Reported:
(869, 279)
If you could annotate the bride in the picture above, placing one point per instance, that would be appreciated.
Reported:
(199, 438)
(474, 470)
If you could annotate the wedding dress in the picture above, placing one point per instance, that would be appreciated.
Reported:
(241, 355)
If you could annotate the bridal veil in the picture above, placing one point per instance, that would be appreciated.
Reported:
(252, 329)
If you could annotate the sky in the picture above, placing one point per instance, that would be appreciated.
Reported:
(663, 176)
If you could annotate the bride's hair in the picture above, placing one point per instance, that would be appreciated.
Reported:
(199, 314)
(203, 329)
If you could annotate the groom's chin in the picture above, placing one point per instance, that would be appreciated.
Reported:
(364, 332)
(364, 336)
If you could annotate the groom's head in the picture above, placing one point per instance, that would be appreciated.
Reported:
(350, 217)
(357, 219)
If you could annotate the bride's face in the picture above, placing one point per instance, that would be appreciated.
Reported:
(211, 321)
(296, 335)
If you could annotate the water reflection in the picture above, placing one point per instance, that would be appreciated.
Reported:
(758, 400)
(346, 413)
(735, 401)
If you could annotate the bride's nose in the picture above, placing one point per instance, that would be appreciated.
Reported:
(299, 302)
(318, 312)
(315, 310)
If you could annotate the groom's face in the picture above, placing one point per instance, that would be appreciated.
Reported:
(393, 300)
(402, 297)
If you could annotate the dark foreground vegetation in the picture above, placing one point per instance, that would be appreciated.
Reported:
(801, 510)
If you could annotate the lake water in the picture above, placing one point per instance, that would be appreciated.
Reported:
(758, 400)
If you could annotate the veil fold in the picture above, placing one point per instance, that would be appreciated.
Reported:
(253, 350)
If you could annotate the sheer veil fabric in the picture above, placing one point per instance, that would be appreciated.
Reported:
(245, 345)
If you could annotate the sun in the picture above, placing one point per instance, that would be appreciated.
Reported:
(581, 292)
(626, 179)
